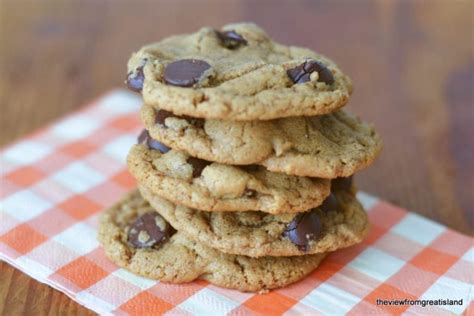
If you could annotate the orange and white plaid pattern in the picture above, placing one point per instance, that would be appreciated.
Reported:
(55, 182)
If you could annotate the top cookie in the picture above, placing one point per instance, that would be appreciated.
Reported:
(237, 73)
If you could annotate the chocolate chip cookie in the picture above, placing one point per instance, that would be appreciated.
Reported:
(203, 185)
(137, 238)
(338, 223)
(236, 73)
(327, 146)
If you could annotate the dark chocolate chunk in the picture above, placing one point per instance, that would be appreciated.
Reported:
(156, 145)
(145, 138)
(304, 228)
(302, 73)
(149, 230)
(135, 79)
(342, 183)
(325, 75)
(296, 73)
(142, 138)
(185, 72)
(231, 39)
(330, 204)
(198, 165)
(162, 115)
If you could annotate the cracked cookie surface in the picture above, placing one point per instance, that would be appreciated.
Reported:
(179, 259)
(342, 223)
(237, 73)
(203, 185)
(327, 146)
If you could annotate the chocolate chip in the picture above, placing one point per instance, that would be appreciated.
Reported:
(302, 73)
(142, 138)
(342, 183)
(145, 138)
(156, 145)
(325, 75)
(148, 231)
(135, 79)
(231, 39)
(296, 73)
(250, 193)
(185, 72)
(330, 204)
(198, 165)
(162, 115)
(303, 228)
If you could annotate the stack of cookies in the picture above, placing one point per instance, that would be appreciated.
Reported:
(245, 165)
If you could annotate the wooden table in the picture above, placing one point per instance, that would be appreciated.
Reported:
(411, 62)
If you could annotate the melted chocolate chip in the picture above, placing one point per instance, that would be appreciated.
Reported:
(135, 79)
(162, 115)
(330, 204)
(304, 228)
(185, 72)
(231, 39)
(145, 138)
(342, 183)
(302, 73)
(149, 230)
(198, 165)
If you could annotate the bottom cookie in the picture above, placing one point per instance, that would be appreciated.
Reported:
(137, 238)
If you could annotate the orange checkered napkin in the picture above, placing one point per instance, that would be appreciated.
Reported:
(55, 182)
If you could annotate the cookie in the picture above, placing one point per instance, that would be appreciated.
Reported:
(237, 73)
(203, 185)
(328, 146)
(138, 239)
(338, 223)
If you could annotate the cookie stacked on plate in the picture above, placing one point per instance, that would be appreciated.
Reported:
(245, 164)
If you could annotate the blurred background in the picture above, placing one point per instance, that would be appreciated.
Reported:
(411, 63)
